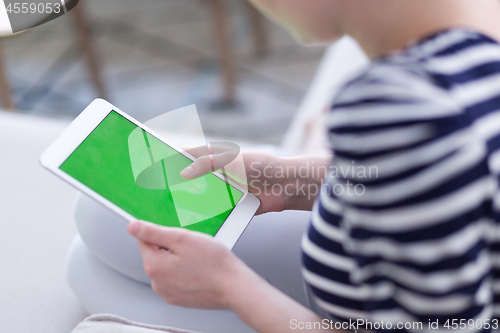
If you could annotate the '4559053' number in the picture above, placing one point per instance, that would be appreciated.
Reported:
(471, 324)
(25, 8)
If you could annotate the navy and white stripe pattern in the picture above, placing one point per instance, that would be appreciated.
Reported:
(423, 240)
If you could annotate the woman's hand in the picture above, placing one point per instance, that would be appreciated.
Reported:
(279, 183)
(188, 268)
(193, 270)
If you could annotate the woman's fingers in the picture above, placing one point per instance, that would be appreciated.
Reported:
(214, 148)
(198, 168)
(206, 162)
(163, 237)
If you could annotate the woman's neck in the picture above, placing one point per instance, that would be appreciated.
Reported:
(385, 26)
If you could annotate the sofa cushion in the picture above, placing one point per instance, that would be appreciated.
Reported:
(104, 323)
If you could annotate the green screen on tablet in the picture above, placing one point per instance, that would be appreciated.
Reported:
(140, 174)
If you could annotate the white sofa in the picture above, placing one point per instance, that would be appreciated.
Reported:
(36, 229)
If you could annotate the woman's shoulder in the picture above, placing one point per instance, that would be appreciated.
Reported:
(387, 93)
(449, 80)
(429, 68)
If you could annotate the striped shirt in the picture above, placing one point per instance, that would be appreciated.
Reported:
(407, 228)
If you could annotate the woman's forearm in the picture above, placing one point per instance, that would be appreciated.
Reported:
(267, 310)
(285, 183)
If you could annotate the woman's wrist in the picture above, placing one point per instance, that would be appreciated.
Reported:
(304, 180)
(253, 300)
(260, 305)
(239, 283)
(285, 183)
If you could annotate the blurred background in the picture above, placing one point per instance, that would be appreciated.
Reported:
(246, 75)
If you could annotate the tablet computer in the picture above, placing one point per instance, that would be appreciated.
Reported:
(130, 169)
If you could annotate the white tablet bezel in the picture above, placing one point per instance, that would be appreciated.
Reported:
(55, 155)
